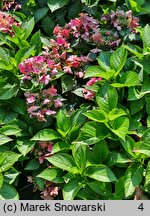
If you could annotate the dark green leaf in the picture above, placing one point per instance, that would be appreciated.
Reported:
(8, 192)
(40, 13)
(101, 152)
(71, 189)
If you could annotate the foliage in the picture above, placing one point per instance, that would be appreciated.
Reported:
(74, 99)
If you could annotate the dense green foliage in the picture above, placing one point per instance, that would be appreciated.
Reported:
(74, 99)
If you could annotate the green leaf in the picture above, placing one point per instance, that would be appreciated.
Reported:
(4, 55)
(24, 53)
(118, 59)
(96, 71)
(62, 161)
(79, 154)
(118, 158)
(1, 180)
(128, 145)
(107, 97)
(145, 35)
(8, 192)
(89, 141)
(102, 188)
(60, 146)
(119, 188)
(48, 25)
(100, 173)
(10, 175)
(7, 159)
(120, 127)
(148, 121)
(143, 147)
(67, 83)
(24, 145)
(63, 122)
(33, 164)
(9, 130)
(133, 177)
(52, 175)
(147, 178)
(56, 4)
(101, 151)
(137, 106)
(115, 113)
(46, 135)
(104, 60)
(8, 90)
(4, 139)
(40, 13)
(71, 189)
(129, 78)
(95, 115)
(27, 27)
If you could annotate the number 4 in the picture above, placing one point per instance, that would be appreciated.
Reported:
(141, 207)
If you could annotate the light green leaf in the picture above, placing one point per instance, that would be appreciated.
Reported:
(133, 177)
(25, 145)
(107, 97)
(147, 178)
(95, 115)
(129, 78)
(145, 35)
(79, 154)
(4, 139)
(56, 4)
(100, 173)
(10, 175)
(1, 180)
(24, 53)
(27, 27)
(96, 71)
(62, 161)
(118, 158)
(118, 59)
(120, 127)
(143, 147)
(46, 135)
(7, 159)
(60, 146)
(115, 113)
(8, 90)
(9, 130)
(52, 175)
